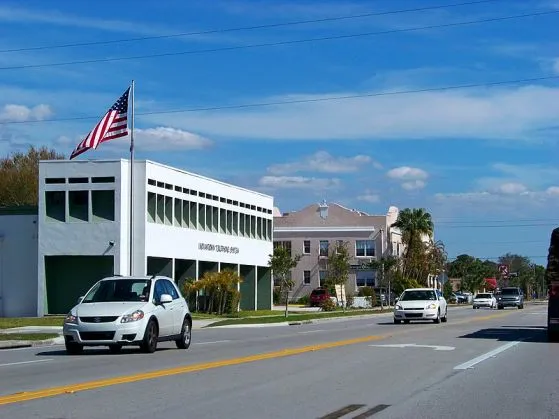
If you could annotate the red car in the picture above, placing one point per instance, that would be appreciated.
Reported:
(318, 295)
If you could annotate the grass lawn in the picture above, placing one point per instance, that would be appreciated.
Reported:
(280, 318)
(9, 322)
(27, 336)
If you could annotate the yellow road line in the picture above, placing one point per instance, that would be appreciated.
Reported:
(90, 385)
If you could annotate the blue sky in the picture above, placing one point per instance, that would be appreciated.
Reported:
(482, 160)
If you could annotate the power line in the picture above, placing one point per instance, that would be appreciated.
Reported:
(496, 257)
(300, 101)
(248, 28)
(278, 43)
(462, 221)
(499, 225)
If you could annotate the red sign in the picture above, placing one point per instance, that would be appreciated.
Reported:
(504, 270)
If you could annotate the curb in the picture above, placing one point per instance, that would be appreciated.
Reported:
(16, 344)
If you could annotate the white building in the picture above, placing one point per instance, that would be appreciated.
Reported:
(183, 225)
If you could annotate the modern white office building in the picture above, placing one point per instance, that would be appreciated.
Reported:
(183, 225)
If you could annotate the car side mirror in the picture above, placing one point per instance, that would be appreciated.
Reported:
(165, 298)
(80, 299)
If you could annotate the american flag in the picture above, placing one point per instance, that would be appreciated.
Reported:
(113, 125)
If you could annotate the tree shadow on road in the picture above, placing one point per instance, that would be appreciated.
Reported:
(534, 334)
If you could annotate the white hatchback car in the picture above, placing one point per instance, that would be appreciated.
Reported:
(124, 310)
(484, 299)
(420, 304)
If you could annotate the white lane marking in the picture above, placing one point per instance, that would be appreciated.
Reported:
(208, 343)
(481, 358)
(413, 345)
(312, 331)
(25, 362)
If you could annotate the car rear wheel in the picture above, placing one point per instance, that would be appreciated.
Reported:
(396, 321)
(444, 319)
(186, 335)
(149, 343)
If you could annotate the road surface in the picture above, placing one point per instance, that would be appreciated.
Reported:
(482, 363)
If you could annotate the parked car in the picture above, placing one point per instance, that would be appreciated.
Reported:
(119, 311)
(420, 304)
(318, 295)
(510, 297)
(553, 312)
(484, 299)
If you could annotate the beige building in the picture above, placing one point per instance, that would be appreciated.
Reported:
(314, 230)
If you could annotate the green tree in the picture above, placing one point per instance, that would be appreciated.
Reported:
(447, 290)
(338, 269)
(385, 268)
(220, 289)
(281, 262)
(19, 176)
(521, 271)
(474, 278)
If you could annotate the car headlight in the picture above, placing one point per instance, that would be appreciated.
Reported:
(431, 306)
(132, 317)
(399, 307)
(70, 318)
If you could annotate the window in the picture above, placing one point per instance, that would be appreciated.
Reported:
(152, 182)
(168, 210)
(170, 288)
(365, 279)
(306, 277)
(78, 205)
(321, 278)
(285, 244)
(235, 223)
(78, 180)
(323, 248)
(222, 221)
(55, 180)
(103, 205)
(364, 248)
(307, 247)
(160, 209)
(159, 290)
(339, 244)
(178, 212)
(105, 179)
(186, 214)
(55, 205)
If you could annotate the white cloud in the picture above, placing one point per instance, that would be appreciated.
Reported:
(407, 173)
(513, 113)
(322, 161)
(22, 113)
(414, 184)
(556, 65)
(411, 178)
(511, 188)
(532, 176)
(167, 138)
(369, 197)
(297, 182)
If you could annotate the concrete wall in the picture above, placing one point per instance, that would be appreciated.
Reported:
(18, 267)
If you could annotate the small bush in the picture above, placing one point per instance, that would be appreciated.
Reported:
(349, 300)
(305, 300)
(328, 305)
(277, 296)
(232, 304)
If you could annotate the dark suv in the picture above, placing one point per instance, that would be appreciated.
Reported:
(510, 297)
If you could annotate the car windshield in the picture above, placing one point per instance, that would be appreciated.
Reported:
(119, 290)
(418, 295)
(509, 291)
(483, 296)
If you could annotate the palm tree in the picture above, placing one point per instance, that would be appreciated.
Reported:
(414, 224)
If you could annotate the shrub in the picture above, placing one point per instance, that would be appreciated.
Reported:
(349, 300)
(232, 303)
(277, 296)
(305, 300)
(328, 305)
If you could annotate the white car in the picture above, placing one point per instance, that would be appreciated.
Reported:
(124, 310)
(485, 299)
(420, 304)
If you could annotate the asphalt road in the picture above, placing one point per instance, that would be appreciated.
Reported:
(482, 363)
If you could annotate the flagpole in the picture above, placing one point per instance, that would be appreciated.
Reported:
(131, 226)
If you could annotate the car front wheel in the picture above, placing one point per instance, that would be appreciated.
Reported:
(73, 348)
(186, 335)
(149, 343)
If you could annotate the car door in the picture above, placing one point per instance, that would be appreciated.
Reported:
(442, 302)
(164, 312)
(176, 306)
